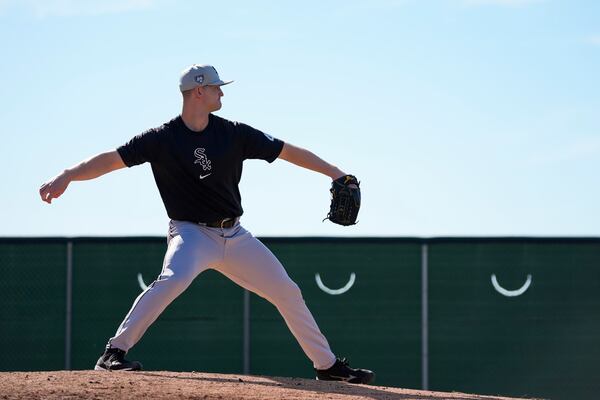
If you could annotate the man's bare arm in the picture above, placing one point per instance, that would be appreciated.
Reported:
(306, 159)
(89, 169)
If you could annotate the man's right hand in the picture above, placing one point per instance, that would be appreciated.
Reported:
(54, 187)
(89, 169)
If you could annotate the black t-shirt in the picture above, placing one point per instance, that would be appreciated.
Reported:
(197, 173)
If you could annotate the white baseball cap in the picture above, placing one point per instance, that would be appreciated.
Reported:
(200, 75)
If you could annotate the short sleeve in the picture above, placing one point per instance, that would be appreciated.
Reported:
(140, 149)
(259, 145)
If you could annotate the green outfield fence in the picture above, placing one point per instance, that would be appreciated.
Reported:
(507, 316)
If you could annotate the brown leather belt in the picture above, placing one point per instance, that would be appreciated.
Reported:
(224, 223)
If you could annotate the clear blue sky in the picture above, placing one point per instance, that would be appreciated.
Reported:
(460, 117)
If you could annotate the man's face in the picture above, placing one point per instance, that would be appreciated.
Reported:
(212, 97)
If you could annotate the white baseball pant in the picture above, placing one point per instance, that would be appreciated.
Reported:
(237, 254)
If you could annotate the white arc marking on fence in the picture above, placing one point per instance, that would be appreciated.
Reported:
(141, 282)
(511, 293)
(333, 292)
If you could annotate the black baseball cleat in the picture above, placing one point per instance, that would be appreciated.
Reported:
(113, 360)
(340, 371)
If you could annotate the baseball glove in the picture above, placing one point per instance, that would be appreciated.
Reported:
(345, 200)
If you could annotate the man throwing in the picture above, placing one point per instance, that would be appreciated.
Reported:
(196, 159)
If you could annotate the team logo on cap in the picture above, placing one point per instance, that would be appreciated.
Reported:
(199, 78)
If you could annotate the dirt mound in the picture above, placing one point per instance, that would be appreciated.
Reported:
(192, 385)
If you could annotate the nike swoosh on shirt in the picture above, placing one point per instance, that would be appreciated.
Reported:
(204, 176)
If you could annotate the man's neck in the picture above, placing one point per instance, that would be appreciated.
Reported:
(195, 120)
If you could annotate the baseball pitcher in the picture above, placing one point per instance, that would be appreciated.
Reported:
(196, 159)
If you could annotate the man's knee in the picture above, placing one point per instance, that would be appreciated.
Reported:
(175, 283)
(286, 292)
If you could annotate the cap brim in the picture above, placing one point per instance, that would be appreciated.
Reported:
(219, 83)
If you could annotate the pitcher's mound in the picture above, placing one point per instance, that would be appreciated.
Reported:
(191, 385)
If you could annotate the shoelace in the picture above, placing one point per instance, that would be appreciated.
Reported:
(116, 356)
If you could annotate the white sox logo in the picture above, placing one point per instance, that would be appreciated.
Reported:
(203, 160)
